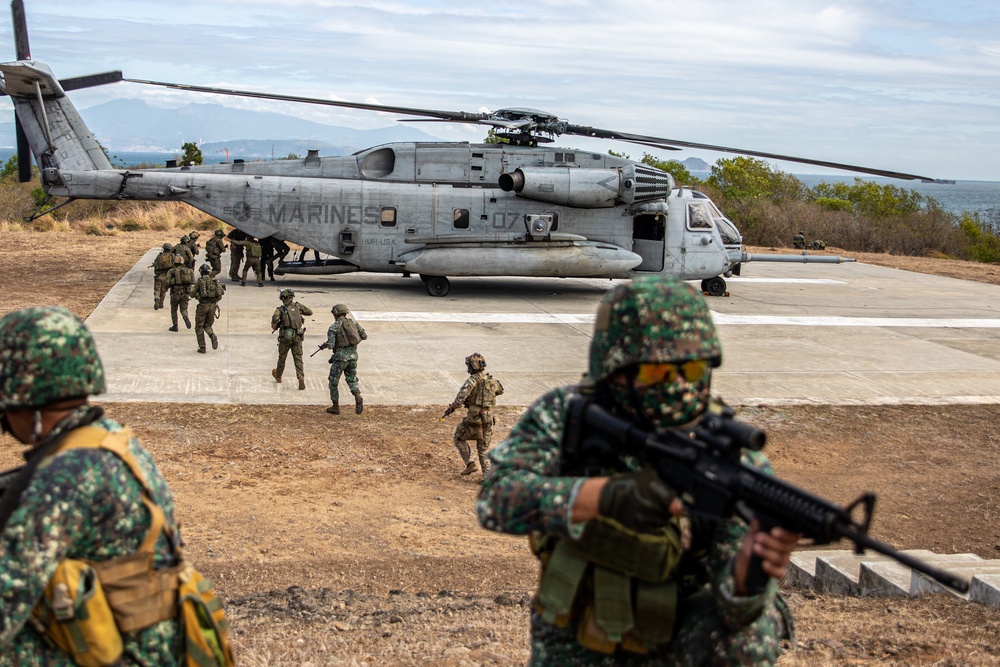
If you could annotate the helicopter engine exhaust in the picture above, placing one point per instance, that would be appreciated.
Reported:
(588, 188)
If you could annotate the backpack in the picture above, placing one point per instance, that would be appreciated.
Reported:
(254, 249)
(348, 336)
(208, 288)
(165, 261)
(486, 391)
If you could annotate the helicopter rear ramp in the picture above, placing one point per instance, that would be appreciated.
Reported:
(825, 334)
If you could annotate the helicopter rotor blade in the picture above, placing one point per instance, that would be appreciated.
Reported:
(533, 122)
(454, 116)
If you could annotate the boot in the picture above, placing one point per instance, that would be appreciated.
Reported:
(173, 328)
(187, 321)
(334, 409)
(215, 342)
(274, 374)
(359, 404)
(201, 350)
(470, 468)
(243, 283)
(302, 382)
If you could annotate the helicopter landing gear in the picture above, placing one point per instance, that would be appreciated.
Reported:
(436, 285)
(714, 286)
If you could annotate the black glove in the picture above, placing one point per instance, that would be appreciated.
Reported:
(638, 500)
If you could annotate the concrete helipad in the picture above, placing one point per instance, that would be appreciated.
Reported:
(851, 333)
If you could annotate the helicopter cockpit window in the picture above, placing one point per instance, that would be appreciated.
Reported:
(388, 217)
(699, 216)
(461, 218)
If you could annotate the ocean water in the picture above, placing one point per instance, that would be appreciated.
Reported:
(981, 197)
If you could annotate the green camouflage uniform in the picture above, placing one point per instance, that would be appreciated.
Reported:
(184, 250)
(160, 269)
(81, 503)
(345, 359)
(253, 254)
(180, 279)
(530, 491)
(214, 247)
(204, 314)
(287, 320)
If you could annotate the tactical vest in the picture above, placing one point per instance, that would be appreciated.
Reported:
(348, 335)
(254, 249)
(291, 318)
(213, 248)
(484, 394)
(620, 586)
(87, 605)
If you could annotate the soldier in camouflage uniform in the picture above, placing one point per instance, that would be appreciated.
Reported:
(161, 266)
(209, 292)
(235, 253)
(799, 240)
(343, 337)
(193, 244)
(81, 503)
(287, 321)
(214, 247)
(650, 362)
(180, 280)
(478, 395)
(184, 250)
(253, 253)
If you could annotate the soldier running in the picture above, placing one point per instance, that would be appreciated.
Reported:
(343, 337)
(209, 292)
(287, 321)
(478, 395)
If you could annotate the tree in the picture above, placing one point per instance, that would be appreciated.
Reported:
(192, 154)
(9, 167)
(676, 169)
(746, 179)
(871, 199)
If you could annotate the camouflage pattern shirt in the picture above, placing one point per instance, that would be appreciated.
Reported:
(527, 491)
(82, 504)
(350, 352)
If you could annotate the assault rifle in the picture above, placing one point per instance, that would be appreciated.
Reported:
(324, 346)
(702, 463)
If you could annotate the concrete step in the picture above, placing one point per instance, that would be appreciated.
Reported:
(921, 583)
(844, 572)
(892, 579)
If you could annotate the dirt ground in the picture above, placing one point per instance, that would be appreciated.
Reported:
(353, 540)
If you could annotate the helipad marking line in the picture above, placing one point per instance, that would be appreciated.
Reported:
(720, 319)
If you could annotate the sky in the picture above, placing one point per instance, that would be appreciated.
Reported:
(907, 85)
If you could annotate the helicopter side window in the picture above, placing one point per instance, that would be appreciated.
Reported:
(461, 218)
(388, 217)
(698, 216)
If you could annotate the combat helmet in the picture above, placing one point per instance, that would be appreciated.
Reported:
(286, 294)
(185, 239)
(218, 232)
(46, 355)
(194, 234)
(651, 320)
(340, 309)
(167, 247)
(475, 362)
(205, 268)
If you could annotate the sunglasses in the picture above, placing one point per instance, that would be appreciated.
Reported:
(693, 371)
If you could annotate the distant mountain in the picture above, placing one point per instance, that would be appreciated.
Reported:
(133, 125)
(696, 164)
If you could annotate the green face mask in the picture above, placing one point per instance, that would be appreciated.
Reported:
(663, 405)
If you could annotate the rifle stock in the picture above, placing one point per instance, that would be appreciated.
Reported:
(702, 463)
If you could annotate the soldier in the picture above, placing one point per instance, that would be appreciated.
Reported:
(90, 496)
(818, 244)
(235, 253)
(161, 266)
(478, 395)
(651, 356)
(253, 253)
(193, 243)
(343, 337)
(287, 321)
(180, 280)
(184, 250)
(209, 292)
(214, 247)
(799, 240)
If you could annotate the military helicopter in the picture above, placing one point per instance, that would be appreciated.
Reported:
(520, 208)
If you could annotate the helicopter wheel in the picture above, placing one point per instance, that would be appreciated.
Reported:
(437, 285)
(714, 286)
